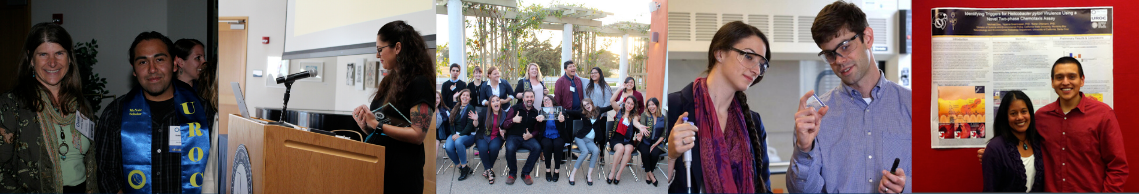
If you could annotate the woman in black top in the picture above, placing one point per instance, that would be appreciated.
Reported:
(589, 136)
(552, 135)
(459, 137)
(490, 136)
(1012, 160)
(476, 87)
(717, 111)
(403, 105)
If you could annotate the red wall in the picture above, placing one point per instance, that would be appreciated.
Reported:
(958, 170)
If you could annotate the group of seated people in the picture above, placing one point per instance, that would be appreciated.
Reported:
(573, 117)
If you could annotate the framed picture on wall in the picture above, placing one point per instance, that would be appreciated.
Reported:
(350, 78)
(317, 67)
(372, 70)
(363, 67)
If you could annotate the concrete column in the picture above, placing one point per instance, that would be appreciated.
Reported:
(623, 71)
(567, 46)
(455, 39)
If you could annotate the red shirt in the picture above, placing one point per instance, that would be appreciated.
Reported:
(1091, 158)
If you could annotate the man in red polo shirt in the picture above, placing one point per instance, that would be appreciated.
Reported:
(1083, 147)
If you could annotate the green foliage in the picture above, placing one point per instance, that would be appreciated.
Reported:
(505, 37)
(94, 87)
(442, 61)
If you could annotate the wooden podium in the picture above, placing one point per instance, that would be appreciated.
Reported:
(287, 160)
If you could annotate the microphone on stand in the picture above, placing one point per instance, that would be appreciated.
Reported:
(288, 81)
(296, 76)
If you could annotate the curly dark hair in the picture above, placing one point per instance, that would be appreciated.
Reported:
(412, 61)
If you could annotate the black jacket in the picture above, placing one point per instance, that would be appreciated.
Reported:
(681, 102)
(523, 84)
(598, 127)
(447, 93)
(484, 121)
(462, 124)
(528, 120)
(504, 92)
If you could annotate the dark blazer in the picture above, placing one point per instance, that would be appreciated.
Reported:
(446, 91)
(598, 127)
(504, 91)
(682, 102)
(462, 124)
(1003, 170)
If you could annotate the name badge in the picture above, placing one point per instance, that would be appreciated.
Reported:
(84, 126)
(573, 89)
(175, 139)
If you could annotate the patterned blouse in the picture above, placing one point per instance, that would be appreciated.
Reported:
(25, 166)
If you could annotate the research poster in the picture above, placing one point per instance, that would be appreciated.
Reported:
(980, 54)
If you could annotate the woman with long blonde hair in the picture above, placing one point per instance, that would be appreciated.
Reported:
(534, 81)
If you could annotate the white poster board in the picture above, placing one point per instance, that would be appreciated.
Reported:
(979, 54)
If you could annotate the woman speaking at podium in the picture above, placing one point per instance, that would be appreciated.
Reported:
(401, 111)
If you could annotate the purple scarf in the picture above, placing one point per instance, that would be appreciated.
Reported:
(726, 157)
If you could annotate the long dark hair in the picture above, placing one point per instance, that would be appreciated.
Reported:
(411, 62)
(1004, 130)
(634, 80)
(730, 34)
(458, 106)
(207, 84)
(600, 81)
(656, 102)
(28, 88)
(726, 37)
(636, 107)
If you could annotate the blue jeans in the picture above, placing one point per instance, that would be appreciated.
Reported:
(488, 150)
(456, 149)
(587, 148)
(513, 143)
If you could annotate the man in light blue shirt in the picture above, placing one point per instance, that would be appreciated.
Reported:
(850, 145)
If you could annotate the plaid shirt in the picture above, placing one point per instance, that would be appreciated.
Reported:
(166, 166)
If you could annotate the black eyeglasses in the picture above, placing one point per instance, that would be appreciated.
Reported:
(842, 50)
(381, 49)
(749, 59)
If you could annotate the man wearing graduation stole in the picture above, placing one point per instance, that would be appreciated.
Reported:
(154, 139)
